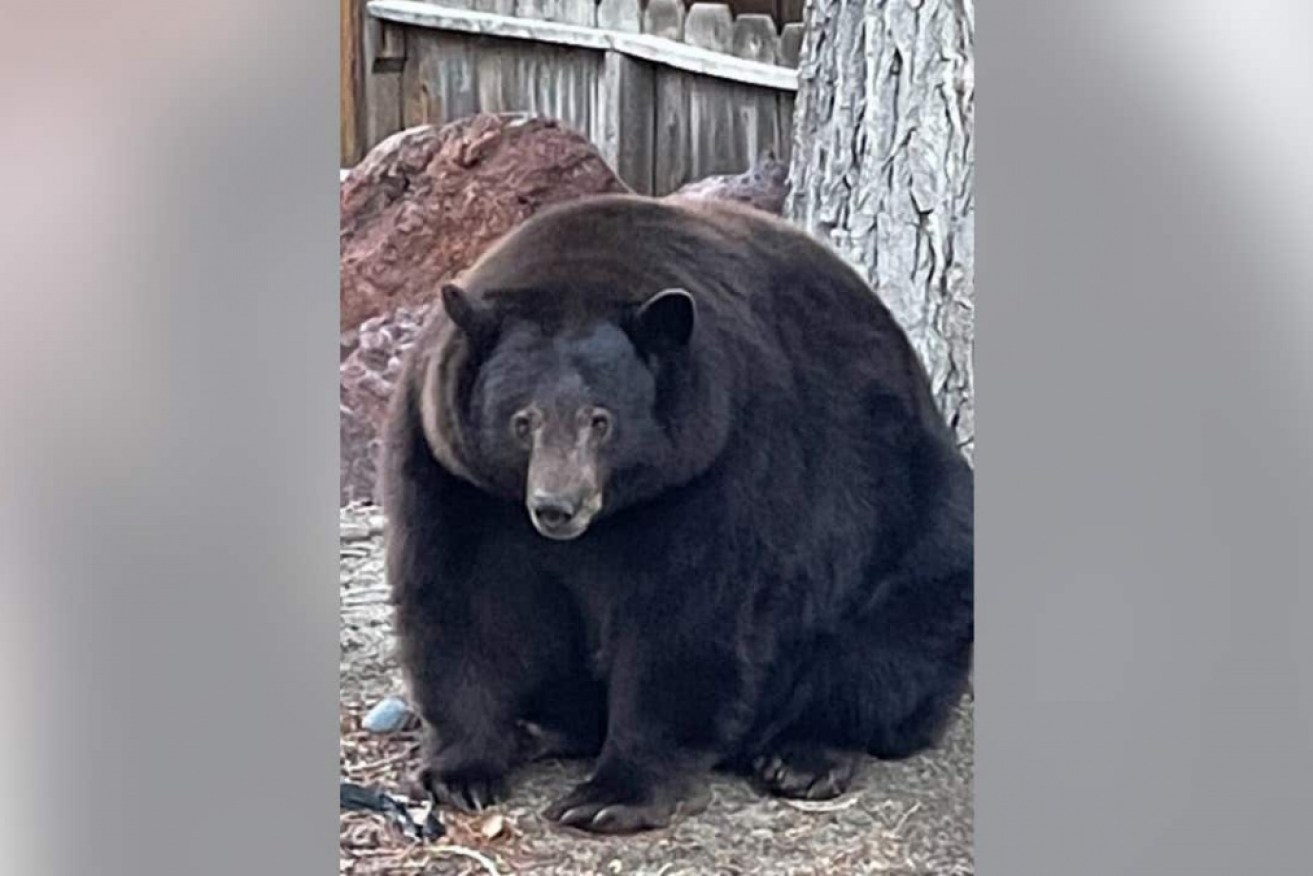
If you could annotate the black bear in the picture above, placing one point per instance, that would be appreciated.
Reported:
(666, 485)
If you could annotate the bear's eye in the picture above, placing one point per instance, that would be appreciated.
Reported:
(522, 425)
(601, 424)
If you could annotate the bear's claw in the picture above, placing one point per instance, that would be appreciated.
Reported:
(599, 809)
(467, 790)
(806, 772)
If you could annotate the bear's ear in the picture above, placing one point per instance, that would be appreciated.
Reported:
(664, 322)
(471, 317)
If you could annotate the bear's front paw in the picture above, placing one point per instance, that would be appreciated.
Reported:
(469, 787)
(603, 806)
(806, 772)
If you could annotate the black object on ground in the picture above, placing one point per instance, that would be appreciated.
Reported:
(358, 798)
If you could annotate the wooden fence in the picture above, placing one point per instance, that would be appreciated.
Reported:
(667, 93)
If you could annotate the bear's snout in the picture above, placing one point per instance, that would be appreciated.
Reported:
(561, 515)
(554, 511)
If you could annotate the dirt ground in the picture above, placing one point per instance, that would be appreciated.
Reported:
(908, 817)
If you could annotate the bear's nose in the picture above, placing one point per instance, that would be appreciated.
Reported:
(552, 511)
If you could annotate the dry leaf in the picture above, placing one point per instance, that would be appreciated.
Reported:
(493, 826)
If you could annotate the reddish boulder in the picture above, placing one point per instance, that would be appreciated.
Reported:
(368, 376)
(427, 201)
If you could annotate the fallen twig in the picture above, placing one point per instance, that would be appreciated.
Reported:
(386, 761)
(463, 852)
(821, 805)
(906, 815)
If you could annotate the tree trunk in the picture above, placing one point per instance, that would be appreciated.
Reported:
(882, 168)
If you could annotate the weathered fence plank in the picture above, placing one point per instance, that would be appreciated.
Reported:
(625, 123)
(573, 86)
(753, 37)
(456, 78)
(709, 26)
(384, 55)
(536, 75)
(582, 12)
(438, 81)
(714, 142)
(664, 18)
(620, 15)
(415, 97)
(757, 128)
(790, 45)
(785, 101)
(579, 12)
(673, 165)
(494, 74)
(391, 44)
(541, 9)
(548, 80)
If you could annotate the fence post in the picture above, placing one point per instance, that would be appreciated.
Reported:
(349, 83)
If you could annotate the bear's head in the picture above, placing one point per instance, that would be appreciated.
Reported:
(563, 409)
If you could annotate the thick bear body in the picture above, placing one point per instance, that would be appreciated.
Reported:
(666, 484)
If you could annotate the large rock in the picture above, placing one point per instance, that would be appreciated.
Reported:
(368, 376)
(427, 201)
(765, 186)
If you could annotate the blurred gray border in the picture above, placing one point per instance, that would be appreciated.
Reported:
(1144, 319)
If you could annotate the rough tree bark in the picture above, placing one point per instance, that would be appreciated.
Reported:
(882, 168)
